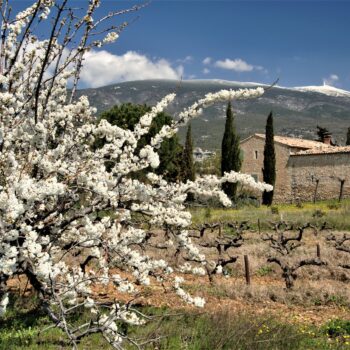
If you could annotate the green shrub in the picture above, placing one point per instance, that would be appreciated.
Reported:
(274, 210)
(339, 300)
(337, 328)
(264, 270)
(318, 213)
(207, 213)
(334, 206)
(299, 204)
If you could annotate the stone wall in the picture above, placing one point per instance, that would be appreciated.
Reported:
(253, 166)
(325, 169)
(298, 175)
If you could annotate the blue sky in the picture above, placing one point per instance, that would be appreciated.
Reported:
(300, 42)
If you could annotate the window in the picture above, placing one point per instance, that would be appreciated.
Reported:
(256, 154)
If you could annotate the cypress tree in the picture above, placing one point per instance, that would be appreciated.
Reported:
(188, 166)
(269, 170)
(230, 152)
(348, 137)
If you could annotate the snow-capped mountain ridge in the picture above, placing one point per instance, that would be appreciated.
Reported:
(322, 89)
(297, 111)
(234, 83)
(325, 89)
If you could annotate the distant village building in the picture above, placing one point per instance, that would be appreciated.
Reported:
(305, 169)
(199, 155)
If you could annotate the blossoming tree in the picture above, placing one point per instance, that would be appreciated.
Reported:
(55, 187)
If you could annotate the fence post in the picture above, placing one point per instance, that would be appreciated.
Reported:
(246, 267)
(318, 250)
(341, 190)
(259, 228)
(315, 193)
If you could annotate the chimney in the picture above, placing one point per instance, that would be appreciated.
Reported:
(327, 139)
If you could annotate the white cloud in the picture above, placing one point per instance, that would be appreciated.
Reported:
(206, 71)
(261, 68)
(331, 80)
(103, 68)
(207, 60)
(237, 65)
(187, 59)
(180, 71)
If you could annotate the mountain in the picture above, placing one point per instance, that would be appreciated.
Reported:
(297, 111)
(325, 89)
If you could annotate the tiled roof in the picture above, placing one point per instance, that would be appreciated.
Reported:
(298, 143)
(329, 150)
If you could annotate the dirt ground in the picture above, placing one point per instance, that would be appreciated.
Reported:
(320, 293)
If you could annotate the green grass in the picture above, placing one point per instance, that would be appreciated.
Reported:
(23, 324)
(337, 215)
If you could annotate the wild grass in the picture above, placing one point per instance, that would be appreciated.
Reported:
(22, 329)
(337, 215)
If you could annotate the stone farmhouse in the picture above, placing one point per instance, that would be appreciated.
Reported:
(305, 170)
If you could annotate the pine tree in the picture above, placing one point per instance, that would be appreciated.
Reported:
(269, 170)
(126, 116)
(325, 136)
(188, 166)
(348, 137)
(230, 152)
(322, 133)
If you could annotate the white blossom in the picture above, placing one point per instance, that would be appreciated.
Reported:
(111, 37)
(66, 218)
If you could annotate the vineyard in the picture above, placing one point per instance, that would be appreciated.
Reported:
(293, 279)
